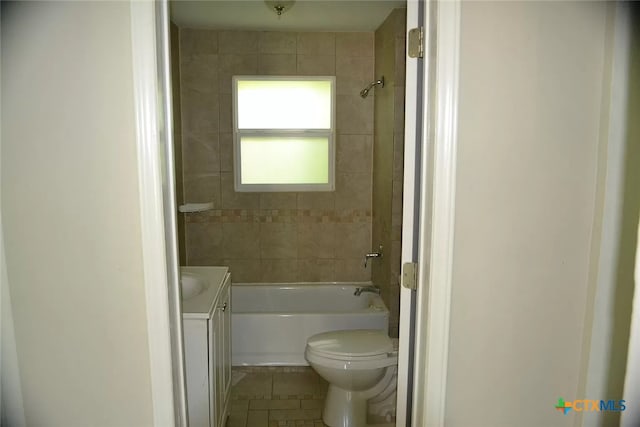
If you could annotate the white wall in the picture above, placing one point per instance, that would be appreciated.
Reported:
(70, 214)
(532, 82)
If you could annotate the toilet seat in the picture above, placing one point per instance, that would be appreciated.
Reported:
(352, 349)
(348, 358)
(352, 364)
(351, 343)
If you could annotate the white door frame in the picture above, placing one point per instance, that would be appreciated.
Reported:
(152, 105)
(631, 417)
(411, 195)
(435, 191)
(617, 136)
(11, 402)
(435, 232)
(600, 321)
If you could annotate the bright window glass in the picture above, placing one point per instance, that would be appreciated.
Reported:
(284, 136)
(294, 160)
(288, 104)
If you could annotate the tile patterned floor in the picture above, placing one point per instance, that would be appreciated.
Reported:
(277, 397)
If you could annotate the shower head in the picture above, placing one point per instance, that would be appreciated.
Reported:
(364, 92)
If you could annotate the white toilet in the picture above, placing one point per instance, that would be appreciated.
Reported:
(359, 365)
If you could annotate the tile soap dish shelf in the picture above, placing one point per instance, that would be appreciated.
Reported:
(195, 207)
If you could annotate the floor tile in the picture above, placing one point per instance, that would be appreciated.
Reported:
(293, 384)
(290, 396)
(312, 404)
(258, 419)
(294, 414)
(254, 385)
(239, 406)
(237, 419)
(274, 404)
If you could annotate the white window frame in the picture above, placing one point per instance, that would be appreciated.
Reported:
(330, 133)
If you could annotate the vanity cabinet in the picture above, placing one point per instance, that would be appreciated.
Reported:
(220, 363)
(207, 349)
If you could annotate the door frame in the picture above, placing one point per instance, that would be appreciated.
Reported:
(431, 107)
(631, 393)
(431, 135)
(600, 324)
(154, 141)
(410, 211)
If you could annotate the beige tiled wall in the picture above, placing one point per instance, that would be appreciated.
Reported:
(388, 159)
(276, 237)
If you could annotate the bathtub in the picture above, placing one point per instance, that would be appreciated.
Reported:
(270, 323)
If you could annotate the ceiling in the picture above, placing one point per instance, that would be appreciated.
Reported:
(304, 15)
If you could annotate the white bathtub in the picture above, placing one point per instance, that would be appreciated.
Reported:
(270, 323)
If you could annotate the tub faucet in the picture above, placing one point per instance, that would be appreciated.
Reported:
(372, 289)
(372, 255)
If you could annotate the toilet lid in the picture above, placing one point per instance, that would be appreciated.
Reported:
(352, 343)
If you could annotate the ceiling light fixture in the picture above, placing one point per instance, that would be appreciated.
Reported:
(279, 6)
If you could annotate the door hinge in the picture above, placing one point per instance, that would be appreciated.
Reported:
(410, 275)
(415, 47)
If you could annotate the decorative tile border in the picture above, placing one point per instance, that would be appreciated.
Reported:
(279, 216)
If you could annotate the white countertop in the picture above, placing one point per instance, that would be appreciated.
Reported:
(201, 306)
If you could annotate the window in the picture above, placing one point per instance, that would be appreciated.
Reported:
(284, 133)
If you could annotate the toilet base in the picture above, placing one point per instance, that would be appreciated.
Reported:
(344, 408)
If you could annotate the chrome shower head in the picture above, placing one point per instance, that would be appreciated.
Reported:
(364, 92)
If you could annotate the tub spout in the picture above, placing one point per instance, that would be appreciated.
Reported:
(372, 255)
(372, 289)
